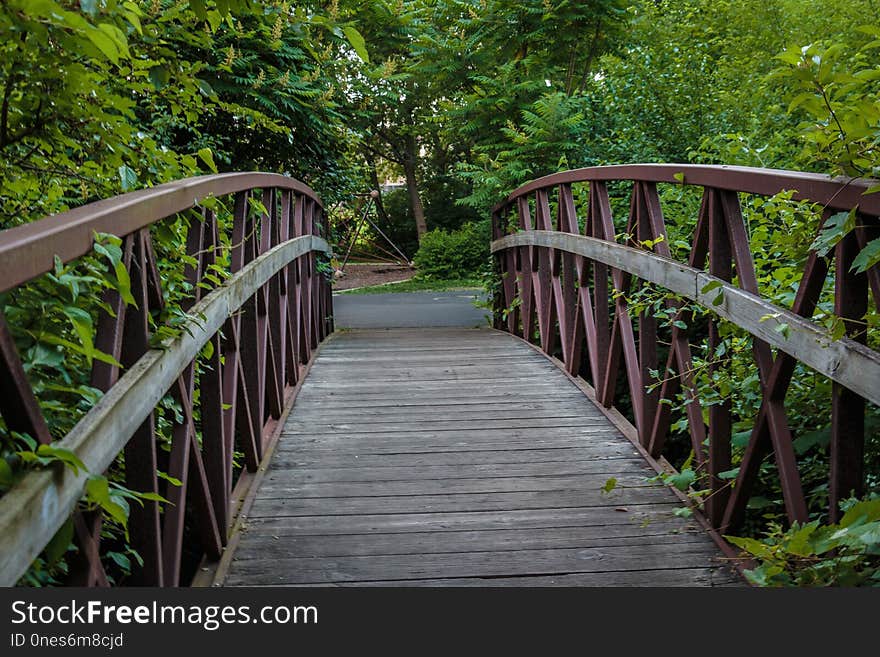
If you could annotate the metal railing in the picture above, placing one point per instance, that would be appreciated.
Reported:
(263, 323)
(567, 288)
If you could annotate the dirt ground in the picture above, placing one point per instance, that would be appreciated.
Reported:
(359, 275)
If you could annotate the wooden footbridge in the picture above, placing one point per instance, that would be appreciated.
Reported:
(275, 451)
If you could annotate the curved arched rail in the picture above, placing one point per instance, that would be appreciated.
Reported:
(566, 289)
(264, 322)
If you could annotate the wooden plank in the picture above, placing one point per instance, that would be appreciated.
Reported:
(323, 461)
(294, 426)
(671, 577)
(308, 570)
(282, 471)
(384, 417)
(405, 357)
(360, 545)
(389, 420)
(450, 404)
(492, 501)
(282, 487)
(502, 381)
(453, 441)
(643, 515)
(464, 441)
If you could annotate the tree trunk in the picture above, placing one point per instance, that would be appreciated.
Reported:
(380, 206)
(415, 203)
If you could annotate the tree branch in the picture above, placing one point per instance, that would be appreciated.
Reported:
(4, 109)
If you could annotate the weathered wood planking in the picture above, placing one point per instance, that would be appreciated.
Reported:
(458, 457)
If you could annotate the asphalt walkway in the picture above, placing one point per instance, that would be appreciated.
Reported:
(410, 310)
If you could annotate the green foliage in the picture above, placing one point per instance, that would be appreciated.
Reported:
(453, 254)
(846, 553)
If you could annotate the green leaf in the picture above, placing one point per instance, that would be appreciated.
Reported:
(117, 37)
(108, 246)
(679, 177)
(98, 492)
(159, 76)
(82, 324)
(833, 230)
(6, 475)
(121, 560)
(198, 8)
(752, 546)
(97, 354)
(63, 455)
(711, 285)
(729, 474)
(357, 42)
(759, 502)
(208, 350)
(60, 543)
(167, 477)
(207, 157)
(864, 511)
(127, 177)
(799, 542)
(610, 485)
(105, 43)
(682, 480)
(123, 284)
(683, 512)
(867, 257)
(206, 89)
(153, 497)
(820, 438)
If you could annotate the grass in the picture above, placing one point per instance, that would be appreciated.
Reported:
(418, 284)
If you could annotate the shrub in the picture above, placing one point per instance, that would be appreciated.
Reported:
(454, 254)
(843, 554)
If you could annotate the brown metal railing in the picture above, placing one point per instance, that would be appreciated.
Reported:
(264, 323)
(566, 290)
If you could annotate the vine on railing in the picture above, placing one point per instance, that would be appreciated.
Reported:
(707, 371)
(193, 349)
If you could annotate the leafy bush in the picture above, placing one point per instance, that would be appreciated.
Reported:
(454, 254)
(844, 554)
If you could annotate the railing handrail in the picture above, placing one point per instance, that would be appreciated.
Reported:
(29, 250)
(843, 360)
(567, 283)
(264, 322)
(33, 510)
(835, 193)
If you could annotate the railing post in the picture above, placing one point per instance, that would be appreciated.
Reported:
(140, 452)
(848, 408)
(720, 265)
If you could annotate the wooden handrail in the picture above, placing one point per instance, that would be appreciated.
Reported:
(845, 361)
(29, 250)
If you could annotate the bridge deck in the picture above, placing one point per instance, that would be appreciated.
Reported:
(458, 457)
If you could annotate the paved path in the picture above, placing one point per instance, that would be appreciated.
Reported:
(409, 309)
(458, 457)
